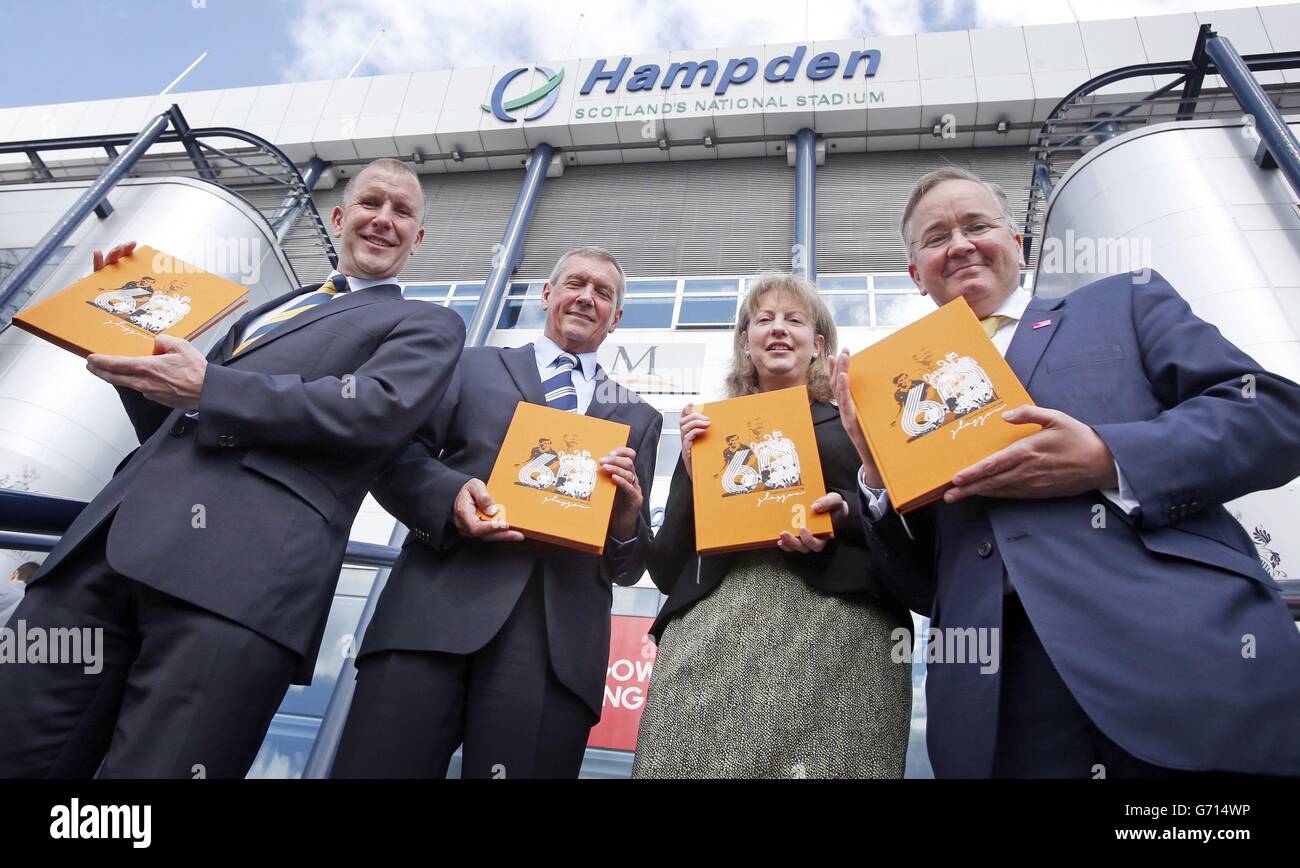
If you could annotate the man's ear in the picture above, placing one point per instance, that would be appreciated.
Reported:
(336, 221)
(546, 295)
(913, 273)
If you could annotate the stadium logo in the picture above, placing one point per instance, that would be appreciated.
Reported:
(546, 95)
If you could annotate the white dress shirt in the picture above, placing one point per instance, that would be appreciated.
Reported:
(1014, 309)
(355, 284)
(583, 383)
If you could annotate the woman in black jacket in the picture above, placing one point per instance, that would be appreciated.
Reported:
(777, 662)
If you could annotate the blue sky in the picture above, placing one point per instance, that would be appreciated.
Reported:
(70, 50)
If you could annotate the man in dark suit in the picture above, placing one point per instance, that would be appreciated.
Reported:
(210, 559)
(481, 637)
(1139, 634)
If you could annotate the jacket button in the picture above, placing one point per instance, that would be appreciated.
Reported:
(191, 414)
(985, 549)
(178, 428)
(226, 440)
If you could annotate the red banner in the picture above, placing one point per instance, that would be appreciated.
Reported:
(627, 682)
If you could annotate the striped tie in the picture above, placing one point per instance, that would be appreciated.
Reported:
(558, 387)
(328, 290)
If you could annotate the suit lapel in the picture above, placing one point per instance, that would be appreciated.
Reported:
(604, 385)
(354, 299)
(1028, 344)
(521, 362)
(230, 341)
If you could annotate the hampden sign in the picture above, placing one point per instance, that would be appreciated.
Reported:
(683, 76)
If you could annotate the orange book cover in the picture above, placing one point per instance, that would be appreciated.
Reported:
(930, 400)
(119, 309)
(547, 478)
(756, 472)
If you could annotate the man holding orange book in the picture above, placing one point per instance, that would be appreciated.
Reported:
(209, 560)
(1140, 636)
(481, 637)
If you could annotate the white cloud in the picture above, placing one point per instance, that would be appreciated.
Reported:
(332, 34)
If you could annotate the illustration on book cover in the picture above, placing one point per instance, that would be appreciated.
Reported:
(760, 461)
(569, 471)
(144, 305)
(940, 392)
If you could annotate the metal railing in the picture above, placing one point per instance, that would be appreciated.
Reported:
(238, 161)
(34, 522)
(1086, 118)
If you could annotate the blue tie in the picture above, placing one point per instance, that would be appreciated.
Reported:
(558, 388)
(327, 290)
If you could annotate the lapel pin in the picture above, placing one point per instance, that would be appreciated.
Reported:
(1041, 324)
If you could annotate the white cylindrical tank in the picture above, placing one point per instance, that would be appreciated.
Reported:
(1187, 199)
(63, 430)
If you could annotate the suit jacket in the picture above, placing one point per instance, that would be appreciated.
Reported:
(451, 594)
(843, 567)
(244, 506)
(1165, 627)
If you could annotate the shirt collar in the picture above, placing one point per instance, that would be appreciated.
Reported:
(359, 283)
(547, 349)
(1014, 305)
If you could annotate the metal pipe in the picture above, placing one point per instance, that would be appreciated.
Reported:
(804, 259)
(74, 216)
(1268, 122)
(335, 718)
(506, 257)
(508, 253)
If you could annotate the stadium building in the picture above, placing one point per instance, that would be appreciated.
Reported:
(698, 169)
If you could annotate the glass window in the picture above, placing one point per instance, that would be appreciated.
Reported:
(893, 281)
(850, 309)
(698, 287)
(520, 289)
(896, 309)
(670, 449)
(427, 291)
(647, 313)
(649, 287)
(708, 311)
(465, 308)
(838, 282)
(467, 290)
(521, 313)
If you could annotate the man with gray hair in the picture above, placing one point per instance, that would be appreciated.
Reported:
(481, 637)
(1140, 636)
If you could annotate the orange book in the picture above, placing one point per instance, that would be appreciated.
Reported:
(756, 472)
(119, 309)
(930, 401)
(547, 478)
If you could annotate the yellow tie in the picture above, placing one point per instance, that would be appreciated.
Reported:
(991, 324)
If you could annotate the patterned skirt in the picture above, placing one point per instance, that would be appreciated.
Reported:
(768, 678)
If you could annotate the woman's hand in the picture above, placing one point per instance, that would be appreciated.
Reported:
(832, 504)
(692, 425)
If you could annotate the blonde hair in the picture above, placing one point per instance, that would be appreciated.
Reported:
(743, 378)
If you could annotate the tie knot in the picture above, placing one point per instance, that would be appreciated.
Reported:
(338, 283)
(991, 324)
(567, 362)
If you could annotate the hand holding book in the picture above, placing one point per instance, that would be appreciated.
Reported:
(1065, 458)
